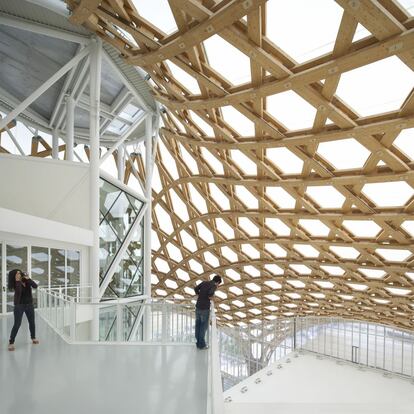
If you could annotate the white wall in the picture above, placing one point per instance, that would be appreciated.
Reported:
(51, 189)
(311, 385)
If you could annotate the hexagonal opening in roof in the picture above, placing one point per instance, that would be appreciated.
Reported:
(274, 269)
(224, 228)
(248, 226)
(246, 197)
(212, 161)
(286, 106)
(362, 228)
(306, 250)
(188, 81)
(408, 226)
(252, 271)
(394, 255)
(313, 17)
(404, 142)
(277, 226)
(285, 160)
(326, 196)
(275, 250)
(233, 275)
(301, 269)
(372, 273)
(238, 121)
(243, 162)
(370, 90)
(224, 58)
(281, 197)
(391, 194)
(314, 227)
(344, 154)
(345, 252)
(333, 270)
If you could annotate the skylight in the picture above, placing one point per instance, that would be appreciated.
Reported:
(392, 194)
(372, 273)
(333, 270)
(274, 268)
(184, 78)
(277, 226)
(275, 250)
(319, 22)
(168, 160)
(344, 154)
(162, 265)
(182, 275)
(219, 196)
(224, 58)
(248, 226)
(212, 161)
(246, 197)
(362, 228)
(315, 227)
(189, 160)
(179, 207)
(195, 266)
(251, 251)
(404, 141)
(233, 275)
(296, 283)
(272, 297)
(253, 287)
(370, 90)
(188, 241)
(301, 269)
(306, 250)
(324, 284)
(252, 271)
(205, 233)
(345, 252)
(157, 12)
(398, 291)
(408, 226)
(358, 287)
(164, 220)
(273, 284)
(281, 197)
(243, 162)
(229, 254)
(202, 124)
(394, 255)
(285, 160)
(174, 252)
(211, 259)
(237, 291)
(326, 196)
(286, 106)
(197, 199)
(239, 122)
(225, 229)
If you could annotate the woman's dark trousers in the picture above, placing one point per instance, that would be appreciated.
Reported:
(18, 315)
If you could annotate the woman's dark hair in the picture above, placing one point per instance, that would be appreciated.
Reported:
(11, 281)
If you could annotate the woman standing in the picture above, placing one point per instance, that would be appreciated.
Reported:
(22, 285)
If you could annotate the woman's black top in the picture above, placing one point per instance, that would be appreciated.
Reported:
(23, 292)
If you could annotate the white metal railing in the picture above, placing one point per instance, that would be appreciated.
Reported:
(248, 349)
(215, 401)
(363, 343)
(137, 320)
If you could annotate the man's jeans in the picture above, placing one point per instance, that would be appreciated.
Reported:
(18, 315)
(201, 325)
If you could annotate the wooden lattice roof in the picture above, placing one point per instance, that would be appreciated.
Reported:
(293, 179)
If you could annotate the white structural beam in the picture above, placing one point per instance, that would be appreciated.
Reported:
(35, 27)
(125, 136)
(128, 84)
(70, 127)
(44, 87)
(95, 88)
(148, 195)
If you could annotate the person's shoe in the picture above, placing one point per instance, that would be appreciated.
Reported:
(35, 341)
(11, 347)
(204, 347)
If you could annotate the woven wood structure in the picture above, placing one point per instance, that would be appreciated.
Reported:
(274, 206)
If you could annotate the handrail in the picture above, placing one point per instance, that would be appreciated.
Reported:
(215, 401)
(137, 319)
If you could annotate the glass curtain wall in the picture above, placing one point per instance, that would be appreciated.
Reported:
(47, 267)
(118, 212)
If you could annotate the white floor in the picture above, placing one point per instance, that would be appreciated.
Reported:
(55, 377)
(310, 385)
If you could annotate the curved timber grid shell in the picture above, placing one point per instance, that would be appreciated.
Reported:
(304, 211)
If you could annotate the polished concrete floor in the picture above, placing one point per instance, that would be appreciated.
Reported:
(55, 377)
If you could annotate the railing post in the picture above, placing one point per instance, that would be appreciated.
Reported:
(119, 322)
(72, 320)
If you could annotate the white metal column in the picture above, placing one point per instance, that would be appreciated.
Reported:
(55, 144)
(95, 85)
(70, 127)
(147, 217)
(120, 161)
